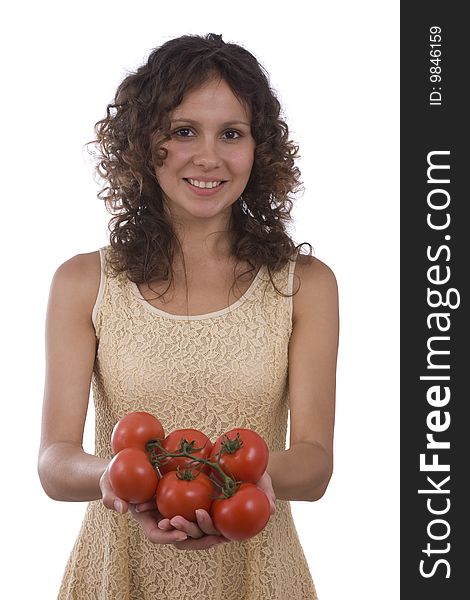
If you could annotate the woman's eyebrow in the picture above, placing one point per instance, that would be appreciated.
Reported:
(226, 124)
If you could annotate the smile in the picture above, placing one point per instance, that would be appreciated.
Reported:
(204, 184)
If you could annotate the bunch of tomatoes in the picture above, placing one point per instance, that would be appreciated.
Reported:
(184, 471)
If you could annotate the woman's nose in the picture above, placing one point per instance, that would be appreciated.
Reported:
(206, 155)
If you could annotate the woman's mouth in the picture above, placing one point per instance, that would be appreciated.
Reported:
(204, 184)
(204, 188)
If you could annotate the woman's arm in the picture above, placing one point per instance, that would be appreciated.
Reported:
(65, 470)
(303, 471)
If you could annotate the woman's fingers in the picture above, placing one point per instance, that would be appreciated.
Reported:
(201, 536)
(148, 520)
(183, 534)
(204, 525)
(165, 524)
(109, 498)
(204, 531)
(120, 506)
(266, 485)
(191, 529)
(143, 506)
(205, 522)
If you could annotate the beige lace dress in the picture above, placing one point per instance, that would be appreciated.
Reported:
(211, 372)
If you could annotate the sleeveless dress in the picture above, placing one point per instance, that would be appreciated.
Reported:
(211, 372)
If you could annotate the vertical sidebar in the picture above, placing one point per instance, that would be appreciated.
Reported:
(435, 269)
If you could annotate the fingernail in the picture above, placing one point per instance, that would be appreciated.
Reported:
(118, 506)
(199, 513)
(180, 537)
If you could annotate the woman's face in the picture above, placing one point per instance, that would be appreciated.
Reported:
(210, 154)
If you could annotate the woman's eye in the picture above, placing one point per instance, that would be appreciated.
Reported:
(183, 132)
(231, 134)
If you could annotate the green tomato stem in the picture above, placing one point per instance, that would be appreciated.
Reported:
(230, 485)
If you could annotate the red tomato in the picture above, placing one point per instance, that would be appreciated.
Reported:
(134, 430)
(243, 515)
(248, 458)
(172, 443)
(183, 497)
(132, 476)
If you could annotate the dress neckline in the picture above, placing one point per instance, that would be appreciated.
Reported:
(217, 313)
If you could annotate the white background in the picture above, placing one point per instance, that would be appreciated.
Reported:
(335, 68)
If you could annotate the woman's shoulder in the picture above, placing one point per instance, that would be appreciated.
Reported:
(311, 268)
(314, 283)
(80, 277)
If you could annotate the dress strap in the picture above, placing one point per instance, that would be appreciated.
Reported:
(290, 282)
(290, 277)
(99, 297)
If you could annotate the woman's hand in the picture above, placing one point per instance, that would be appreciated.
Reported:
(266, 485)
(202, 534)
(108, 496)
(188, 535)
(148, 517)
(183, 534)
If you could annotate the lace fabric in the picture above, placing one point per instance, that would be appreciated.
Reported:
(211, 372)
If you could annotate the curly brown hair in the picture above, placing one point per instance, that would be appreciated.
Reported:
(129, 141)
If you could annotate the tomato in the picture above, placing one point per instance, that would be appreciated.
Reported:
(172, 443)
(134, 430)
(243, 515)
(132, 476)
(183, 497)
(246, 459)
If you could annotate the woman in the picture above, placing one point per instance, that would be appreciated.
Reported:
(191, 314)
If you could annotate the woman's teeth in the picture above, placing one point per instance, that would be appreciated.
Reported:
(204, 184)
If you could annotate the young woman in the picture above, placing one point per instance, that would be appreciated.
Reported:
(201, 311)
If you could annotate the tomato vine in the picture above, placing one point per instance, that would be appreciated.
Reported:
(158, 454)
